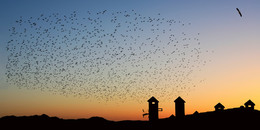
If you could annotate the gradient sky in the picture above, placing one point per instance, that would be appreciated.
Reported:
(232, 77)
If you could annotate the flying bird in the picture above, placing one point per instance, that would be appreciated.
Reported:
(69, 54)
(239, 12)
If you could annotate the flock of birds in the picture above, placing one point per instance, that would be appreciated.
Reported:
(105, 56)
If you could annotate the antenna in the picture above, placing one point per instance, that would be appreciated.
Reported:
(144, 113)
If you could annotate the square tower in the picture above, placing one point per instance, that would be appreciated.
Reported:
(153, 109)
(179, 108)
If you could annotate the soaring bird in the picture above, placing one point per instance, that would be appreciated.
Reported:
(239, 12)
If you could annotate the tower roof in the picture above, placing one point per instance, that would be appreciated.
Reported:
(179, 100)
(249, 102)
(152, 99)
(196, 113)
(219, 105)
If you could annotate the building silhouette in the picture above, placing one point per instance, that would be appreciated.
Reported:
(179, 108)
(249, 105)
(221, 115)
(153, 109)
(219, 107)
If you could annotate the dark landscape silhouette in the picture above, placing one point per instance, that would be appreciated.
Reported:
(244, 116)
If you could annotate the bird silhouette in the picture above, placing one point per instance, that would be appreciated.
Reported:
(239, 12)
(105, 55)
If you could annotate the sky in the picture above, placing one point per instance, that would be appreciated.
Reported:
(231, 77)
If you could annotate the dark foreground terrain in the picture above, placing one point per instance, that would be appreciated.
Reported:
(229, 119)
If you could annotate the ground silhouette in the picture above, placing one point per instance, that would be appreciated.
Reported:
(245, 117)
(226, 119)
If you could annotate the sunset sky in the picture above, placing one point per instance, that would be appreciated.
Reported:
(231, 75)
